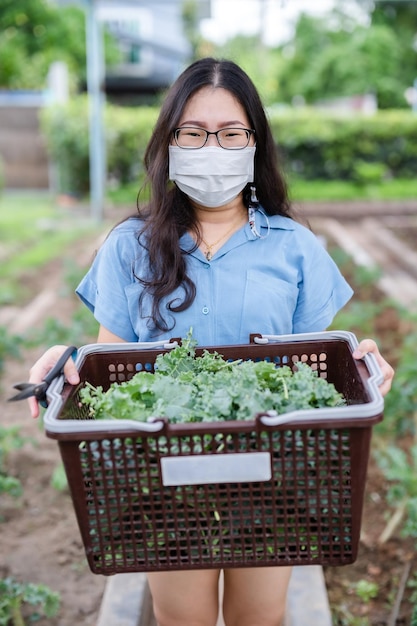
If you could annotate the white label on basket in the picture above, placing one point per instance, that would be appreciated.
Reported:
(216, 468)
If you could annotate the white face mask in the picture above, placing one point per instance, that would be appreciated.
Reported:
(211, 176)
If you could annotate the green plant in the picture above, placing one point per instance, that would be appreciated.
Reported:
(126, 135)
(9, 346)
(401, 402)
(366, 590)
(10, 439)
(400, 469)
(73, 274)
(327, 145)
(412, 584)
(372, 153)
(366, 173)
(83, 328)
(341, 616)
(13, 595)
(315, 190)
(189, 388)
(363, 277)
(53, 331)
(59, 478)
(33, 234)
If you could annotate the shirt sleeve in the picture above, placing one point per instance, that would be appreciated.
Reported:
(103, 288)
(323, 290)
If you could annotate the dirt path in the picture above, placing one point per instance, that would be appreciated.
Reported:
(374, 243)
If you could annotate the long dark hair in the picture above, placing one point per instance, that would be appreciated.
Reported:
(169, 213)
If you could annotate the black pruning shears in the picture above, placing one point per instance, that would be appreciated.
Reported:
(26, 390)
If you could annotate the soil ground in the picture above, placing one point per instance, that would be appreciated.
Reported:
(386, 565)
(40, 541)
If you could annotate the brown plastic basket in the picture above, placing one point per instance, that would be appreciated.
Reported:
(283, 490)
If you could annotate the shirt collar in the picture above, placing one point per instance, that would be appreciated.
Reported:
(276, 222)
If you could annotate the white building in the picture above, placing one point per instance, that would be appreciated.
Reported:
(151, 38)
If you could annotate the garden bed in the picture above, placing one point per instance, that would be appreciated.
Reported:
(44, 545)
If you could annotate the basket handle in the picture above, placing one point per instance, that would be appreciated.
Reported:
(375, 373)
(368, 361)
(325, 334)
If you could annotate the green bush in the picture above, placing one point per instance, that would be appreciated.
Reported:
(329, 145)
(127, 132)
(366, 173)
(315, 145)
(66, 129)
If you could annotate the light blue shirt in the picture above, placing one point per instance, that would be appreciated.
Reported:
(282, 283)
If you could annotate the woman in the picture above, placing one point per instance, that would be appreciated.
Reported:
(215, 249)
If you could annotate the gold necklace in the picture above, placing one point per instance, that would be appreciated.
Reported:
(209, 247)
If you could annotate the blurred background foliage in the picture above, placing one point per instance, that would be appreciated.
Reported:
(35, 34)
(372, 50)
(313, 145)
(368, 51)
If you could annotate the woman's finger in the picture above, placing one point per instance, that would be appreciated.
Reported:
(41, 368)
(369, 346)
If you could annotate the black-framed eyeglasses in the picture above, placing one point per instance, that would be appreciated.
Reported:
(192, 138)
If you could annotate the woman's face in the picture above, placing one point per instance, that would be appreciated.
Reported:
(213, 108)
(213, 175)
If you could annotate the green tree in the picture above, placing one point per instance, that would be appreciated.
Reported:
(33, 34)
(341, 57)
(260, 63)
(301, 55)
(401, 15)
(360, 64)
(190, 20)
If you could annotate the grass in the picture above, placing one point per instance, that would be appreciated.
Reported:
(307, 190)
(24, 218)
(328, 190)
(124, 196)
(33, 232)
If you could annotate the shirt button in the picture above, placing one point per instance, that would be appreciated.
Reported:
(205, 310)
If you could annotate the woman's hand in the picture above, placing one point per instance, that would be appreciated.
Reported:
(43, 365)
(369, 346)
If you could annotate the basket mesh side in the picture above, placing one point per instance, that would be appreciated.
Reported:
(303, 515)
